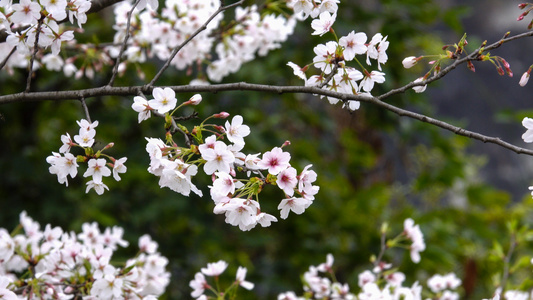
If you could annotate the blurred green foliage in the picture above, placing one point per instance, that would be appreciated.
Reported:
(373, 167)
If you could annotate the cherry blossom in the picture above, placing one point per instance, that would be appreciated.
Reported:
(353, 43)
(275, 161)
(286, 180)
(215, 269)
(164, 100)
(236, 131)
(324, 23)
(97, 169)
(240, 278)
(528, 135)
(217, 158)
(294, 204)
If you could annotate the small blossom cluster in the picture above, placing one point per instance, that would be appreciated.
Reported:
(382, 282)
(65, 163)
(66, 265)
(414, 234)
(199, 284)
(236, 198)
(332, 57)
(29, 21)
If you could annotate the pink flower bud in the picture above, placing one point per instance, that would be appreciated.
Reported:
(410, 61)
(524, 79)
(522, 5)
(221, 115)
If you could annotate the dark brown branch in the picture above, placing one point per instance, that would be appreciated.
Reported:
(177, 49)
(242, 86)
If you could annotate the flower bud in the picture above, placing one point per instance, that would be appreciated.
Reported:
(221, 115)
(524, 79)
(522, 5)
(196, 99)
(410, 61)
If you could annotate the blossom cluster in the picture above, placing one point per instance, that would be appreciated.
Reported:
(199, 284)
(234, 197)
(65, 163)
(332, 57)
(29, 21)
(382, 282)
(63, 265)
(153, 32)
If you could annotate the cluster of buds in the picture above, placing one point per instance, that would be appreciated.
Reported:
(65, 163)
(527, 7)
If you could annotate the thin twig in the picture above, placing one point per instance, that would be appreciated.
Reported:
(383, 246)
(192, 36)
(4, 62)
(507, 262)
(124, 45)
(85, 109)
(471, 57)
(34, 54)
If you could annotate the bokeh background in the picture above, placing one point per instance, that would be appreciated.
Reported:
(373, 166)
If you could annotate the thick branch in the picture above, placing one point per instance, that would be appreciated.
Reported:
(242, 86)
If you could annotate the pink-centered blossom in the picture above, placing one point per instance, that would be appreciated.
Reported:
(286, 180)
(367, 84)
(275, 161)
(97, 168)
(26, 11)
(353, 43)
(217, 158)
(323, 23)
(294, 204)
(119, 167)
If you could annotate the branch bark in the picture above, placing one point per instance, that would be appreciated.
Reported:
(243, 86)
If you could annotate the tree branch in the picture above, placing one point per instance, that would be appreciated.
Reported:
(242, 86)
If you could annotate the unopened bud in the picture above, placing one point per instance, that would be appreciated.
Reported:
(524, 79)
(470, 66)
(220, 128)
(286, 143)
(221, 115)
(196, 99)
(109, 146)
(410, 61)
(522, 5)
(500, 71)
